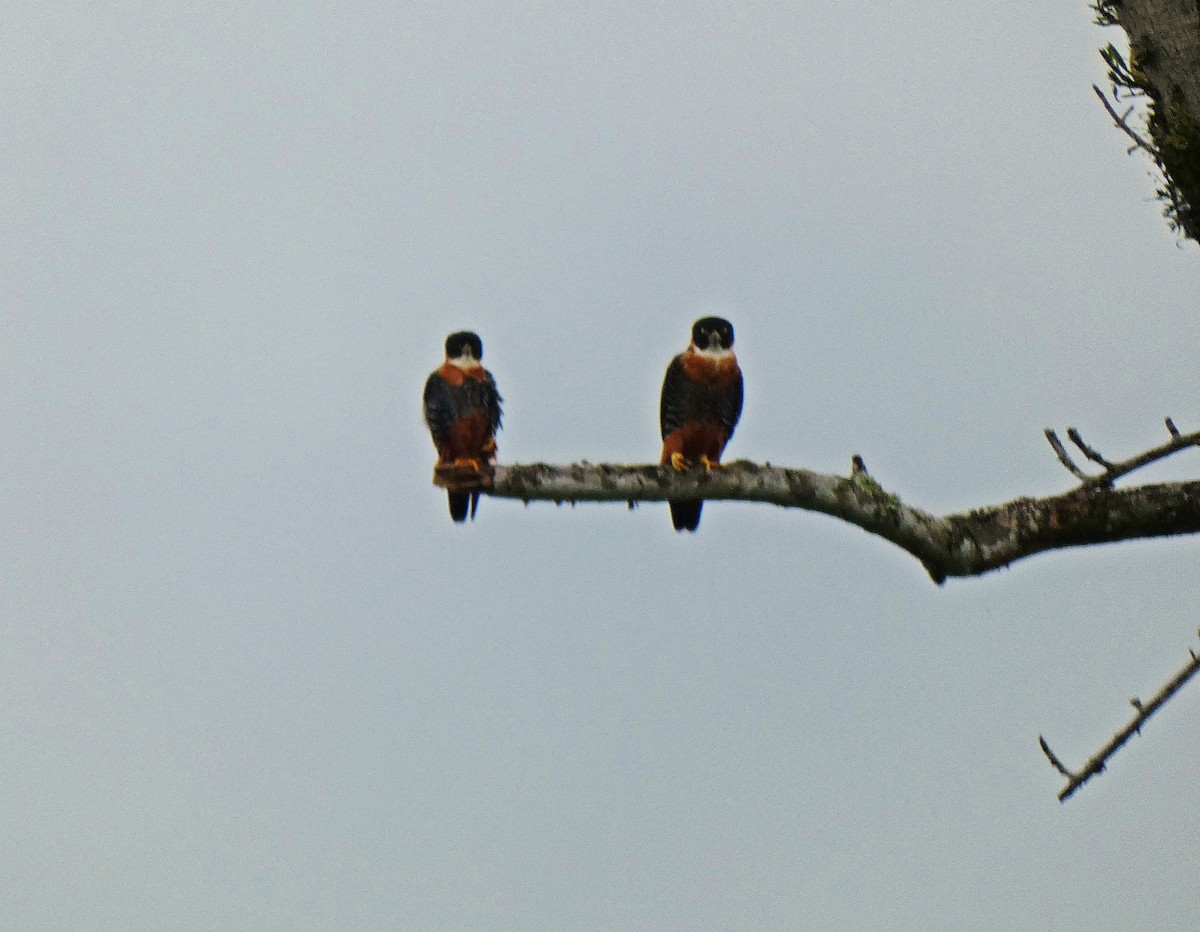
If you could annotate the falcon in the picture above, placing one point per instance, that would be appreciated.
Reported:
(700, 406)
(462, 409)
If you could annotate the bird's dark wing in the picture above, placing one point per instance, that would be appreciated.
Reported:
(674, 405)
(439, 407)
(729, 405)
(491, 401)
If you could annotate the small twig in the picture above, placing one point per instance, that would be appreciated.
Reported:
(1063, 457)
(1121, 121)
(1087, 451)
(1171, 428)
(1058, 765)
(1096, 762)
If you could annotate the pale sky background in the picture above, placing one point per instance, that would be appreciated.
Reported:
(252, 677)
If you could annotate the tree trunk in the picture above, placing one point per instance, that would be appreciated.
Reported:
(1164, 61)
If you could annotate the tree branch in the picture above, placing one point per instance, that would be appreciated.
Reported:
(963, 544)
(1114, 471)
(1096, 762)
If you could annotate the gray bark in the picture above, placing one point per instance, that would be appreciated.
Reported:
(1167, 33)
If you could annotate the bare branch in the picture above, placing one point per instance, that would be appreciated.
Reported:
(1114, 471)
(1096, 762)
(1177, 442)
(1087, 451)
(964, 544)
(1063, 457)
(1058, 765)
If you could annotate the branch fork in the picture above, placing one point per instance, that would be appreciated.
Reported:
(1111, 472)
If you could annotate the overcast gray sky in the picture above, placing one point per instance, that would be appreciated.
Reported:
(253, 678)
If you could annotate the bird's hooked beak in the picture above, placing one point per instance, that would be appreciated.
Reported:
(714, 340)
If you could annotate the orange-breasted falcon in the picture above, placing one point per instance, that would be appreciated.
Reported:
(700, 406)
(462, 409)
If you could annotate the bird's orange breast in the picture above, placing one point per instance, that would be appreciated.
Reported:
(456, 376)
(720, 373)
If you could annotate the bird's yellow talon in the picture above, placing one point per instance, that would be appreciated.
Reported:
(678, 463)
(709, 465)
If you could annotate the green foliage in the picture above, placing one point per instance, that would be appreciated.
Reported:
(1178, 142)
(1121, 73)
(1106, 12)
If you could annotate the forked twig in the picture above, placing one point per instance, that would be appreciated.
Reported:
(1114, 471)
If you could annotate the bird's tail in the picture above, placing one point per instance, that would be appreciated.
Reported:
(685, 516)
(461, 503)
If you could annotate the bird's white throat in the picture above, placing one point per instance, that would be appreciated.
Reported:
(713, 354)
(465, 361)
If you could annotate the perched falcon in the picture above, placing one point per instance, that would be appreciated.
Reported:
(462, 409)
(700, 407)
